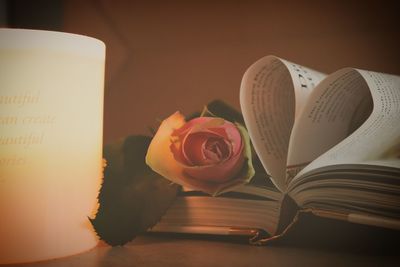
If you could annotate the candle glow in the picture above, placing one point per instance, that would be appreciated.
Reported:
(51, 119)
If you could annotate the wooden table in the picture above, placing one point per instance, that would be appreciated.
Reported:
(164, 250)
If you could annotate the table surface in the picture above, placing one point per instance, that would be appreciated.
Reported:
(155, 250)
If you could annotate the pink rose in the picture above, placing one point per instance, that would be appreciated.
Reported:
(207, 153)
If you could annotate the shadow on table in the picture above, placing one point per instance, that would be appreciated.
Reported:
(323, 233)
(314, 233)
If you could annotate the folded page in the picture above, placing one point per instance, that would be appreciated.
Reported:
(340, 104)
(272, 94)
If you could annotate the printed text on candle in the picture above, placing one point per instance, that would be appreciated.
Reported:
(20, 129)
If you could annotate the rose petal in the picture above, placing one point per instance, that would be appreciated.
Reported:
(218, 173)
(193, 147)
(225, 129)
(176, 149)
(178, 136)
(161, 159)
(229, 131)
(234, 137)
(244, 175)
(190, 151)
(159, 156)
(216, 150)
(197, 124)
(219, 131)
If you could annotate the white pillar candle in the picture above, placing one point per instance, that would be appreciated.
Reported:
(51, 114)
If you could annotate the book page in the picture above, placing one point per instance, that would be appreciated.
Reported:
(335, 109)
(219, 215)
(369, 189)
(272, 94)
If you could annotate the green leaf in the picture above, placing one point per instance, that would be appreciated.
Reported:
(132, 197)
(250, 172)
(219, 108)
(193, 115)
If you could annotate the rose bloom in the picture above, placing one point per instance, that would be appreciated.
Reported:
(207, 153)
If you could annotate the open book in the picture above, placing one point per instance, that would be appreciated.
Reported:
(331, 145)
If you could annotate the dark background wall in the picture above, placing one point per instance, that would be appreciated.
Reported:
(164, 56)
